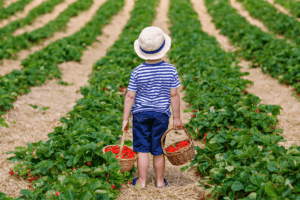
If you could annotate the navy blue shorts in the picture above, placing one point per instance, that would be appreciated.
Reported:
(148, 128)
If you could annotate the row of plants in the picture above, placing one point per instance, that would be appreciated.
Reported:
(284, 25)
(71, 165)
(292, 5)
(13, 8)
(276, 57)
(13, 44)
(45, 7)
(241, 158)
(43, 64)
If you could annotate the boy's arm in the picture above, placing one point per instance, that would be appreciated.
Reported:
(129, 99)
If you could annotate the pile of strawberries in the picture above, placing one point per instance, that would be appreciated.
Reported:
(126, 152)
(180, 145)
(121, 89)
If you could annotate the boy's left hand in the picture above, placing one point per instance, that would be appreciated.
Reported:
(125, 126)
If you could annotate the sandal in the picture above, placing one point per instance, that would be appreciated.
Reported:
(134, 182)
(166, 184)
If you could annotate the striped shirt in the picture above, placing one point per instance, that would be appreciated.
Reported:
(152, 83)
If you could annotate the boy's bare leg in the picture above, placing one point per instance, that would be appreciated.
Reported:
(143, 164)
(159, 162)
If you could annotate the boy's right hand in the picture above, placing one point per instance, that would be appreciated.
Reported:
(177, 124)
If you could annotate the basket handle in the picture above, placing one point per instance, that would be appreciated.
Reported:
(164, 135)
(122, 142)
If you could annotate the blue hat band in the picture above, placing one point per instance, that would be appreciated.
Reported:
(153, 52)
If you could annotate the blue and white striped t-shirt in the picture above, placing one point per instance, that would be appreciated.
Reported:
(152, 83)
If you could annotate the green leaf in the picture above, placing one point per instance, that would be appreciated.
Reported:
(33, 106)
(251, 188)
(272, 166)
(86, 195)
(292, 152)
(94, 184)
(68, 195)
(229, 168)
(270, 189)
(237, 186)
(252, 196)
(128, 143)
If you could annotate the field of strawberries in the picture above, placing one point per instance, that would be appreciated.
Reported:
(242, 156)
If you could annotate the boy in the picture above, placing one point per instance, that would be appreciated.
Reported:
(154, 81)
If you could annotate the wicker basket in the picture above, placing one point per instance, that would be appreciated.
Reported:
(182, 156)
(126, 164)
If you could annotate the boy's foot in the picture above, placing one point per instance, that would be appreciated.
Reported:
(160, 183)
(142, 183)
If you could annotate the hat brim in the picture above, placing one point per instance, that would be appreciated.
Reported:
(154, 56)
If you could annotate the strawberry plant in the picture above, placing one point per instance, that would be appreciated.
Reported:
(80, 139)
(13, 44)
(45, 7)
(13, 8)
(283, 25)
(275, 56)
(42, 65)
(293, 6)
(241, 158)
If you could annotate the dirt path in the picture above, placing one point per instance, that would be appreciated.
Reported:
(281, 8)
(30, 124)
(265, 87)
(21, 14)
(182, 185)
(45, 19)
(74, 25)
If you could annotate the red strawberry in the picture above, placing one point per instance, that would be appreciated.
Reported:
(246, 92)
(107, 175)
(205, 134)
(183, 88)
(55, 63)
(193, 110)
(194, 116)
(11, 173)
(89, 163)
(74, 168)
(29, 175)
(56, 194)
(112, 186)
(129, 182)
(29, 186)
(218, 129)
(33, 179)
(29, 179)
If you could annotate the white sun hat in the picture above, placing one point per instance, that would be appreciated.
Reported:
(152, 43)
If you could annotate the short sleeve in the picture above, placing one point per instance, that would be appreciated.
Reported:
(175, 81)
(132, 83)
